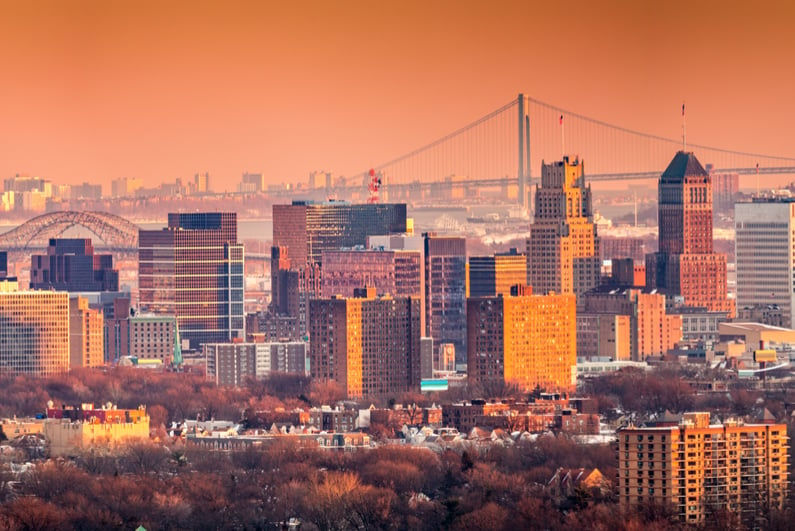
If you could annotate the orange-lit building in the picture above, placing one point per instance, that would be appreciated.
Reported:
(524, 339)
(70, 430)
(698, 469)
(86, 334)
(625, 324)
(496, 274)
(34, 330)
(686, 265)
(370, 346)
(563, 248)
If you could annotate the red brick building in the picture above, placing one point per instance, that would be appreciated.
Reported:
(686, 265)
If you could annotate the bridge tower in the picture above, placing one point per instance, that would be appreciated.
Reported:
(524, 150)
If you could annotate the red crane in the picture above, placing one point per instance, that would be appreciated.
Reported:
(373, 185)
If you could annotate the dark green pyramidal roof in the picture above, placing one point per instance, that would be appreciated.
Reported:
(684, 164)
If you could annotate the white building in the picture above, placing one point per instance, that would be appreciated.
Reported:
(765, 255)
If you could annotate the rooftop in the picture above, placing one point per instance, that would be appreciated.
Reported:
(684, 164)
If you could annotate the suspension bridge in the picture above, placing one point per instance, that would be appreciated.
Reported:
(506, 147)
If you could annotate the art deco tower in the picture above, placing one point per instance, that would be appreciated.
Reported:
(685, 265)
(563, 248)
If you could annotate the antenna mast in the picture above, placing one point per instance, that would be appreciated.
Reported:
(684, 130)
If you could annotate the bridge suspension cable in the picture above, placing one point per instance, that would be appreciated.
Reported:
(568, 113)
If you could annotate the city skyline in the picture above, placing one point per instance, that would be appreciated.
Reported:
(161, 92)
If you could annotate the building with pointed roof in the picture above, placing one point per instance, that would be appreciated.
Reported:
(686, 267)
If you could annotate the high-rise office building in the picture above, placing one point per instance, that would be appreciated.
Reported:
(765, 255)
(699, 469)
(303, 230)
(307, 228)
(34, 330)
(563, 247)
(369, 346)
(71, 265)
(193, 270)
(497, 274)
(86, 334)
(523, 339)
(686, 266)
(396, 273)
(445, 291)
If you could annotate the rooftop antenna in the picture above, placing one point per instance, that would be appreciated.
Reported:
(757, 179)
(562, 137)
(684, 130)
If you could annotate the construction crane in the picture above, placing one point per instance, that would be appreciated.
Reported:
(373, 185)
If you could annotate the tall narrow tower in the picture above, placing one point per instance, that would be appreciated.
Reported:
(523, 173)
(563, 247)
(685, 265)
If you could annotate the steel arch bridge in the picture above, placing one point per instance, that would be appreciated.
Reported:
(113, 231)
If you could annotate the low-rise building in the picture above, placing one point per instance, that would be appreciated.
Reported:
(72, 429)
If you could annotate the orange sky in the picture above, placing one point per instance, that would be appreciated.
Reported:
(92, 91)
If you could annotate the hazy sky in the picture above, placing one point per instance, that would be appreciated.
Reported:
(92, 91)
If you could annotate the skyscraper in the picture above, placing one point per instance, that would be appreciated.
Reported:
(445, 291)
(563, 247)
(524, 339)
(307, 228)
(370, 346)
(193, 270)
(495, 275)
(303, 230)
(396, 273)
(34, 330)
(71, 265)
(765, 254)
(685, 265)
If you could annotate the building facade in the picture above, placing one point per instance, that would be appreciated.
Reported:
(524, 339)
(765, 255)
(71, 431)
(699, 469)
(303, 230)
(152, 337)
(625, 324)
(71, 265)
(490, 276)
(307, 228)
(193, 270)
(86, 335)
(369, 346)
(396, 273)
(686, 265)
(563, 247)
(230, 364)
(34, 330)
(445, 291)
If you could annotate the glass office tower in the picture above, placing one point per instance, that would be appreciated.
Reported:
(193, 270)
